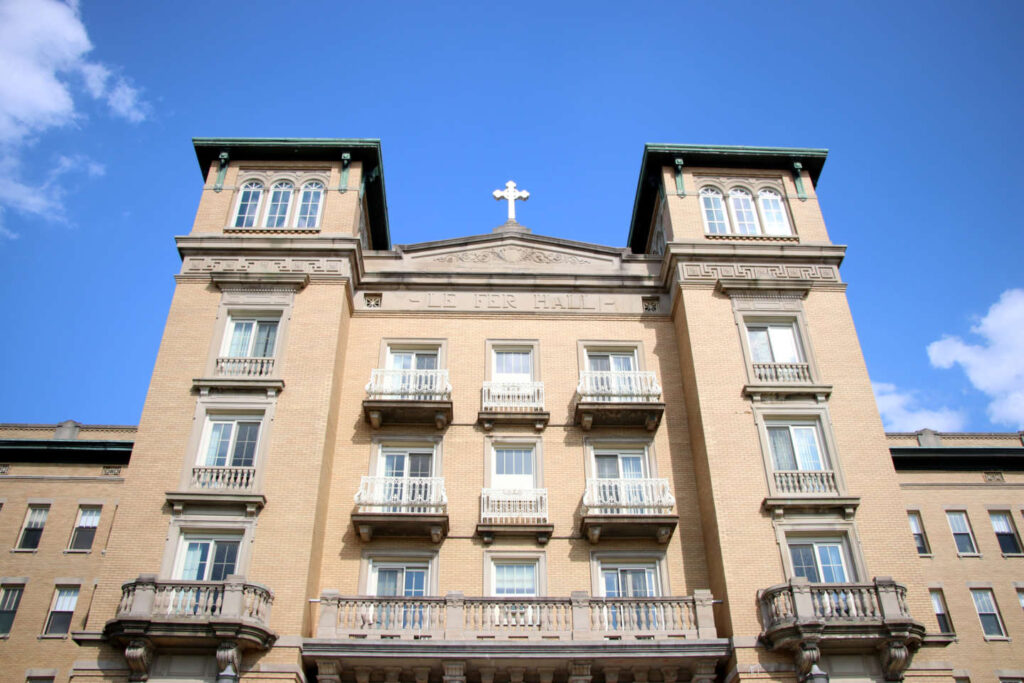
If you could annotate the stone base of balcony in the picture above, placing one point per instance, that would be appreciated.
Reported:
(261, 384)
(251, 502)
(400, 525)
(767, 392)
(380, 412)
(658, 527)
(780, 506)
(538, 419)
(190, 633)
(488, 532)
(590, 414)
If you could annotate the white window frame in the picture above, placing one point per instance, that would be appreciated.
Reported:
(213, 418)
(256, 217)
(213, 538)
(499, 445)
(785, 222)
(769, 324)
(510, 561)
(825, 461)
(512, 348)
(417, 351)
(1007, 514)
(320, 205)
(53, 605)
(370, 559)
(941, 608)
(913, 515)
(236, 318)
(98, 509)
(649, 567)
(845, 556)
(492, 442)
(975, 593)
(25, 525)
(970, 532)
(736, 193)
(376, 566)
(714, 192)
(6, 589)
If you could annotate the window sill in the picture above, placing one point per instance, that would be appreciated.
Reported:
(1013, 554)
(978, 555)
(926, 555)
(69, 551)
(24, 550)
(53, 636)
(735, 236)
(998, 639)
(297, 231)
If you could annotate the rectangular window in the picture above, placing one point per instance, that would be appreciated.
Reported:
(962, 535)
(513, 467)
(796, 447)
(941, 611)
(917, 529)
(59, 620)
(630, 580)
(85, 528)
(230, 441)
(251, 338)
(32, 531)
(406, 481)
(821, 561)
(513, 365)
(622, 484)
(10, 597)
(515, 579)
(207, 558)
(774, 343)
(988, 612)
(1006, 534)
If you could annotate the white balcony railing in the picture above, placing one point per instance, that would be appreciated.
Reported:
(402, 495)
(409, 385)
(224, 478)
(619, 387)
(514, 506)
(782, 373)
(628, 497)
(199, 600)
(245, 368)
(805, 483)
(513, 397)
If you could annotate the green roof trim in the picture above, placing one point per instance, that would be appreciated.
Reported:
(366, 150)
(656, 155)
(66, 451)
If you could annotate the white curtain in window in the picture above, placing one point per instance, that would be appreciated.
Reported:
(90, 518)
(805, 440)
(1001, 523)
(66, 600)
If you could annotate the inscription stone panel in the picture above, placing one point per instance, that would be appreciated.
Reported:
(525, 302)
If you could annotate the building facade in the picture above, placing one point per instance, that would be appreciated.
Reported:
(509, 457)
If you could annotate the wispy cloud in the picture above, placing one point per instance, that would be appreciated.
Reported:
(901, 411)
(995, 366)
(44, 65)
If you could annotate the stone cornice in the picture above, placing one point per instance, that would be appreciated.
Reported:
(595, 650)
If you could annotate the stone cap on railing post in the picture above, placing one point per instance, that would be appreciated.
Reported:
(888, 597)
(233, 604)
(704, 613)
(144, 596)
(580, 611)
(327, 623)
(803, 603)
(455, 614)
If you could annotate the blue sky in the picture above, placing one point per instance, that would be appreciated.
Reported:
(918, 102)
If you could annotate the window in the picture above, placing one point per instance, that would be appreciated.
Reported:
(917, 529)
(309, 205)
(941, 611)
(713, 210)
(250, 338)
(774, 343)
(230, 442)
(280, 202)
(401, 580)
(207, 558)
(613, 376)
(744, 215)
(10, 597)
(1020, 597)
(819, 561)
(629, 580)
(85, 528)
(515, 579)
(1006, 534)
(248, 204)
(58, 622)
(412, 359)
(622, 485)
(773, 213)
(35, 520)
(796, 447)
(514, 467)
(985, 603)
(513, 366)
(412, 373)
(962, 535)
(408, 485)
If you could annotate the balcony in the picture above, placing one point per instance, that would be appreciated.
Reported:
(513, 403)
(226, 479)
(221, 486)
(628, 508)
(784, 379)
(815, 490)
(806, 618)
(408, 397)
(245, 368)
(411, 507)
(514, 512)
(618, 399)
(193, 613)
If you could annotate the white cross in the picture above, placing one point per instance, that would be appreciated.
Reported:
(511, 194)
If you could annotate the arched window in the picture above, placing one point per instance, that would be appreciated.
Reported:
(280, 201)
(773, 213)
(249, 204)
(744, 214)
(309, 205)
(715, 222)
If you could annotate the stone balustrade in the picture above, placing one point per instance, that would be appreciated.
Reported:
(514, 506)
(245, 368)
(782, 373)
(402, 495)
(225, 479)
(619, 387)
(628, 497)
(513, 397)
(805, 483)
(456, 617)
(409, 385)
(231, 599)
(833, 603)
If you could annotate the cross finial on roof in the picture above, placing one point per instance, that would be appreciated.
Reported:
(511, 194)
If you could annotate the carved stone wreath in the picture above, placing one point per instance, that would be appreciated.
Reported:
(510, 255)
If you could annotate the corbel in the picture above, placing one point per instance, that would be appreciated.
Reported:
(346, 159)
(798, 178)
(221, 171)
(680, 189)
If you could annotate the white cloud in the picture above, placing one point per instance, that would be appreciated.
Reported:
(43, 66)
(996, 365)
(901, 412)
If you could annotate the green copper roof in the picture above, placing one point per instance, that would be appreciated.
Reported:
(365, 150)
(658, 155)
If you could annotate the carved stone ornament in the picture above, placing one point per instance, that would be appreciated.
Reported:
(510, 255)
(454, 672)
(139, 655)
(895, 660)
(240, 264)
(805, 658)
(760, 271)
(229, 658)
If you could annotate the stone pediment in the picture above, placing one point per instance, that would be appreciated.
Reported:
(517, 253)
